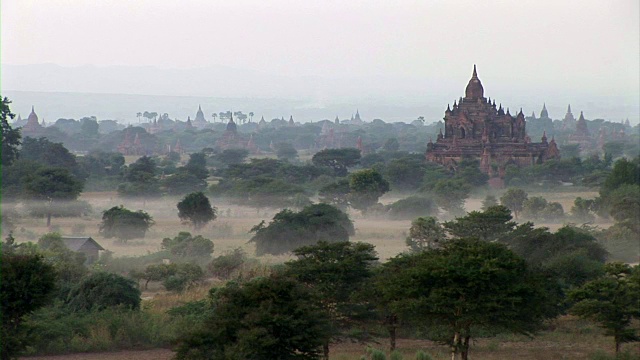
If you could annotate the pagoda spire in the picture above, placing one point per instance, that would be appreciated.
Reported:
(475, 73)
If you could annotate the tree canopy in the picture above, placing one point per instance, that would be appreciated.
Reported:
(266, 318)
(196, 209)
(340, 160)
(125, 224)
(465, 286)
(290, 230)
(10, 139)
(611, 301)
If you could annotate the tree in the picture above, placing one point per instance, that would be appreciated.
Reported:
(611, 301)
(51, 154)
(290, 230)
(412, 207)
(405, 174)
(337, 271)
(623, 172)
(286, 151)
(125, 224)
(488, 202)
(53, 184)
(624, 206)
(583, 209)
(450, 194)
(10, 139)
(183, 182)
(514, 199)
(102, 290)
(337, 159)
(266, 318)
(186, 245)
(489, 225)
(465, 287)
(366, 186)
(140, 179)
(185, 276)
(336, 194)
(425, 233)
(533, 207)
(197, 165)
(196, 209)
(27, 284)
(232, 156)
(391, 144)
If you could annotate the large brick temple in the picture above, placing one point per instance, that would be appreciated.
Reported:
(476, 129)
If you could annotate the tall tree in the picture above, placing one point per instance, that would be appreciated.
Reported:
(53, 184)
(340, 160)
(514, 199)
(27, 284)
(489, 225)
(265, 318)
(468, 286)
(337, 271)
(450, 194)
(611, 301)
(10, 137)
(196, 209)
(367, 186)
(425, 233)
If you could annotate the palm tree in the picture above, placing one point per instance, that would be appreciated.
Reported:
(138, 115)
(250, 116)
(214, 115)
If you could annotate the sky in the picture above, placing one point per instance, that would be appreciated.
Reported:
(588, 48)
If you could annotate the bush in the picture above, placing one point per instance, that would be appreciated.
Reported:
(58, 331)
(103, 290)
(186, 275)
(411, 208)
(187, 246)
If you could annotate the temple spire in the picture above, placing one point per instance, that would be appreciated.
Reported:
(475, 73)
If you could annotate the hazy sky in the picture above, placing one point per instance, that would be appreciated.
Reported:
(582, 45)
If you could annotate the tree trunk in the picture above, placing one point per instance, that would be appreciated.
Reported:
(392, 337)
(325, 350)
(617, 347)
(454, 346)
(465, 348)
(49, 218)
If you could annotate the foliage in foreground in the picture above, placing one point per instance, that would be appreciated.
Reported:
(266, 318)
(27, 283)
(612, 301)
(466, 286)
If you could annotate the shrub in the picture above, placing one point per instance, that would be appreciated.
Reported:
(102, 290)
(185, 276)
(188, 246)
